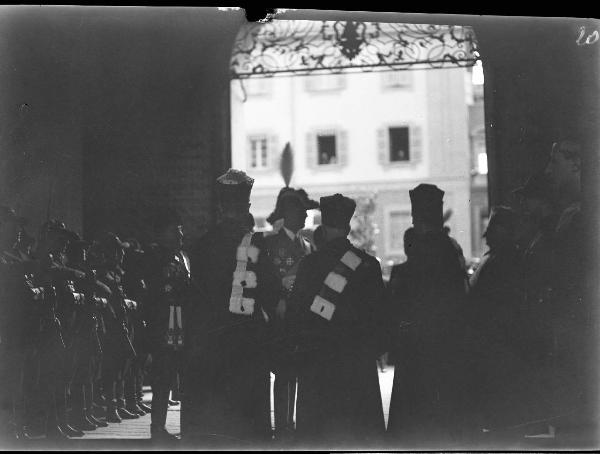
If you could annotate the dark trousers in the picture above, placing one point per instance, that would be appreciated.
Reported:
(284, 399)
(166, 364)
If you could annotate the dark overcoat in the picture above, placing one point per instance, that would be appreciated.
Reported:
(339, 399)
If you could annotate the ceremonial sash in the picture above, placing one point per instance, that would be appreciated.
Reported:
(238, 303)
(244, 280)
(324, 303)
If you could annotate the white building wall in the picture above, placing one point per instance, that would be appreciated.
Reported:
(434, 101)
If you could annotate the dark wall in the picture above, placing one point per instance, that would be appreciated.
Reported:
(40, 128)
(126, 109)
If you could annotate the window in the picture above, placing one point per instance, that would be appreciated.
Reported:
(258, 153)
(261, 151)
(325, 82)
(399, 144)
(479, 153)
(396, 79)
(326, 149)
(399, 222)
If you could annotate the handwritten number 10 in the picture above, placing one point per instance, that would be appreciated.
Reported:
(591, 38)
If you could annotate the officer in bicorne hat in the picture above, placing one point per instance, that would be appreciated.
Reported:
(286, 248)
(337, 320)
(227, 379)
(427, 294)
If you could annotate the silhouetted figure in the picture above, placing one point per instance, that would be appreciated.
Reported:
(227, 379)
(286, 248)
(427, 297)
(337, 315)
(169, 293)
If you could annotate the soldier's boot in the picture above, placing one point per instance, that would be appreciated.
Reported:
(160, 434)
(71, 431)
(54, 432)
(126, 414)
(82, 422)
(134, 408)
(144, 407)
(112, 415)
(96, 421)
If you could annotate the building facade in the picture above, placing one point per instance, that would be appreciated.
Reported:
(368, 134)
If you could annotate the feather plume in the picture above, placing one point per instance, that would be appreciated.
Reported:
(286, 165)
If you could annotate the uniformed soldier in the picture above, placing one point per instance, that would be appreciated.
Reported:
(227, 386)
(135, 286)
(19, 298)
(55, 326)
(169, 284)
(427, 296)
(337, 315)
(118, 350)
(86, 349)
(286, 248)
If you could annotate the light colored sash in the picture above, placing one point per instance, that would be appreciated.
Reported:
(336, 281)
(238, 303)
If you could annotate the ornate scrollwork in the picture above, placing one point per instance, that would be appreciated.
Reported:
(303, 47)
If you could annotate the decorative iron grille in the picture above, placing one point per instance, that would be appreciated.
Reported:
(304, 47)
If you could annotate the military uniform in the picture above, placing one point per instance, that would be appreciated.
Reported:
(227, 381)
(285, 249)
(169, 284)
(18, 330)
(337, 319)
(135, 286)
(427, 297)
(118, 351)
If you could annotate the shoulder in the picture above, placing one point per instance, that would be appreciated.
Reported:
(367, 261)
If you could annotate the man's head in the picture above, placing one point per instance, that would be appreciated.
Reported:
(53, 239)
(168, 229)
(427, 208)
(500, 232)
(291, 206)
(535, 197)
(233, 191)
(111, 249)
(336, 213)
(564, 168)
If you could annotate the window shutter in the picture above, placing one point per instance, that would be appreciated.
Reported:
(274, 152)
(342, 147)
(383, 145)
(415, 140)
(311, 150)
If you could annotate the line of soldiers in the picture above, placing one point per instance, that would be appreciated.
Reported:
(245, 304)
(79, 325)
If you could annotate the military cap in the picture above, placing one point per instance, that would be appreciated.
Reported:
(234, 186)
(337, 210)
(427, 202)
(286, 194)
(537, 186)
(502, 216)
